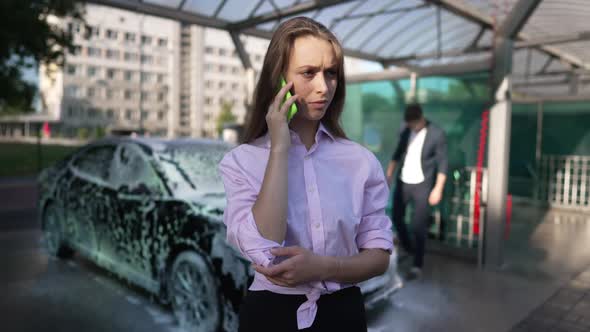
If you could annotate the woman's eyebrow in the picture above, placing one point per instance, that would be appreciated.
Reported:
(308, 67)
(333, 66)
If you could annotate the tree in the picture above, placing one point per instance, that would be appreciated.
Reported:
(27, 39)
(225, 116)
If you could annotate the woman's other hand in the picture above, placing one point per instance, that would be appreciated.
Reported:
(301, 266)
(276, 120)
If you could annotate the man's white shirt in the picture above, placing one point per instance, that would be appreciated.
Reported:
(412, 169)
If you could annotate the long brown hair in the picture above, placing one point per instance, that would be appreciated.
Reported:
(276, 63)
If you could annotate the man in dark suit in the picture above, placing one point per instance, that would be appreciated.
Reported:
(422, 158)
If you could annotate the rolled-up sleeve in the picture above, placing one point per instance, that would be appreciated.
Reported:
(242, 232)
(375, 226)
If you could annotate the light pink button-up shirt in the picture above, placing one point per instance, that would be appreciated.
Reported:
(337, 196)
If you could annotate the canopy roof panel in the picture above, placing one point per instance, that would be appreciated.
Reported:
(406, 32)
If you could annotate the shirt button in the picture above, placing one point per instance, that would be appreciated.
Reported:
(317, 225)
(306, 157)
(310, 189)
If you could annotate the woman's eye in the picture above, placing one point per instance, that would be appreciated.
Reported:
(307, 74)
(331, 73)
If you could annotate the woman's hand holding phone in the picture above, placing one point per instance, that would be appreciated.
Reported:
(276, 120)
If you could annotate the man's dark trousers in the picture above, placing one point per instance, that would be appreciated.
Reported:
(418, 194)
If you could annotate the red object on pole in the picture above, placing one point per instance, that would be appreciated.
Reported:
(46, 130)
(483, 136)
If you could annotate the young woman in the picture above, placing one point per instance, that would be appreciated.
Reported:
(305, 204)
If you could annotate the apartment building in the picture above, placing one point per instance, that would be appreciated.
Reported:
(121, 75)
(134, 71)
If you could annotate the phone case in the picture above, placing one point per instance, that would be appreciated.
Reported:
(293, 108)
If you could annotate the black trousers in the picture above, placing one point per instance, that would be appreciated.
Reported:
(418, 195)
(263, 311)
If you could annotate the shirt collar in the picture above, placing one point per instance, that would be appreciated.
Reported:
(322, 130)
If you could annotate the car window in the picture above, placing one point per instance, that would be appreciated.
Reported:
(193, 167)
(95, 162)
(131, 169)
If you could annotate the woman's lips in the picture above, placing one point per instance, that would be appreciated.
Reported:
(318, 104)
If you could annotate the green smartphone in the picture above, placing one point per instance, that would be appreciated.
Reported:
(293, 108)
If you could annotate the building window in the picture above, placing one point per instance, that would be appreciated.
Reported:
(148, 59)
(208, 84)
(161, 115)
(129, 37)
(222, 52)
(146, 77)
(161, 96)
(110, 113)
(144, 95)
(221, 68)
(110, 94)
(162, 42)
(258, 57)
(71, 111)
(111, 34)
(112, 54)
(209, 50)
(128, 75)
(72, 91)
(71, 70)
(146, 40)
(208, 67)
(94, 51)
(77, 50)
(234, 86)
(221, 85)
(208, 101)
(93, 112)
(235, 70)
(144, 115)
(92, 71)
(128, 94)
(91, 32)
(160, 78)
(111, 73)
(128, 114)
(73, 27)
(129, 56)
(91, 92)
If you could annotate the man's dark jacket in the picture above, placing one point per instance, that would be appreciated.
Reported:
(434, 152)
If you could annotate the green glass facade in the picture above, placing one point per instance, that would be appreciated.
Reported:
(373, 116)
(565, 131)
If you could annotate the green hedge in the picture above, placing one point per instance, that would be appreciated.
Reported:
(22, 159)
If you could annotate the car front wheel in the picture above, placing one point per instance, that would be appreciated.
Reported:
(52, 233)
(193, 293)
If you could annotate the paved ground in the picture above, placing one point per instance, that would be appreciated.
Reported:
(567, 310)
(544, 285)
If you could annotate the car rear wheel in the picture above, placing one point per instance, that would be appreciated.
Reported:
(193, 293)
(52, 233)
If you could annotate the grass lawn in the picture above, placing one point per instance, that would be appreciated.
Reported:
(21, 159)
